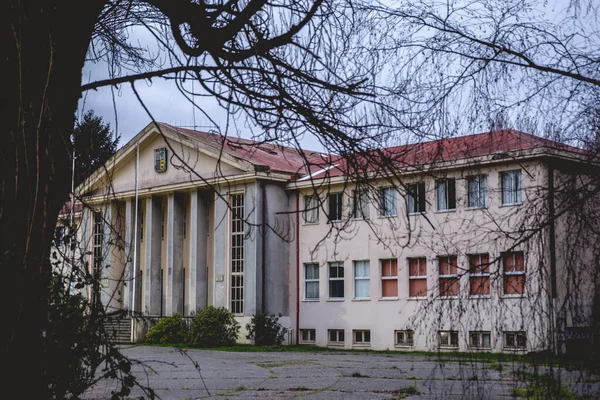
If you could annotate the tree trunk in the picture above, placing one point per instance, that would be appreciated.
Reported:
(45, 44)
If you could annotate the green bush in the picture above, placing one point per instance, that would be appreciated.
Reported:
(171, 329)
(213, 327)
(265, 330)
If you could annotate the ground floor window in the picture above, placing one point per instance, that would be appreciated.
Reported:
(335, 337)
(448, 339)
(515, 340)
(404, 338)
(307, 335)
(361, 337)
(480, 340)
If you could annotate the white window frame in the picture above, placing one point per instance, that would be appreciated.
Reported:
(414, 201)
(476, 339)
(404, 338)
(98, 243)
(311, 209)
(388, 202)
(339, 341)
(450, 335)
(339, 209)
(415, 277)
(361, 337)
(449, 276)
(340, 266)
(477, 191)
(389, 278)
(442, 192)
(479, 274)
(311, 334)
(513, 337)
(362, 278)
(237, 235)
(506, 273)
(512, 187)
(361, 204)
(312, 280)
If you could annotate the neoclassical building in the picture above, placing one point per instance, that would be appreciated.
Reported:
(461, 249)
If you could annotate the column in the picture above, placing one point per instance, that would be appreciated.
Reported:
(107, 238)
(198, 251)
(175, 206)
(152, 235)
(132, 251)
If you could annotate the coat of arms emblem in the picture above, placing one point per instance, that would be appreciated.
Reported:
(160, 159)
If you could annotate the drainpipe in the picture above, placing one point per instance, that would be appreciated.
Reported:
(552, 243)
(297, 267)
(264, 246)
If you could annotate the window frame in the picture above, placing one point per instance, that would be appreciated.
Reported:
(416, 198)
(451, 335)
(409, 338)
(339, 265)
(337, 342)
(388, 204)
(310, 332)
(393, 268)
(517, 335)
(339, 206)
(448, 187)
(313, 209)
(237, 262)
(480, 345)
(479, 274)
(448, 277)
(363, 278)
(360, 204)
(365, 337)
(516, 190)
(482, 194)
(514, 273)
(412, 278)
(311, 280)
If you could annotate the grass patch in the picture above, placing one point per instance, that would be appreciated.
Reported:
(495, 366)
(282, 364)
(541, 386)
(299, 389)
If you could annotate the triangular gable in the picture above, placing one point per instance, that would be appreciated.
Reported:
(202, 157)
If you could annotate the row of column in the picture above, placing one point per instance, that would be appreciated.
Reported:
(197, 285)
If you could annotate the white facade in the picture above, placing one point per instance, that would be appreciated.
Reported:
(439, 257)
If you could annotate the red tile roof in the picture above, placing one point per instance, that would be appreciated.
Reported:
(66, 209)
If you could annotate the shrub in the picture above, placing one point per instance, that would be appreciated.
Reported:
(265, 330)
(213, 327)
(171, 329)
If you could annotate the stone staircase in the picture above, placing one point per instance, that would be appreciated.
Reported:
(118, 329)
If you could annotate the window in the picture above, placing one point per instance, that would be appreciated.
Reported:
(404, 338)
(311, 281)
(236, 203)
(514, 273)
(362, 280)
(448, 270)
(361, 337)
(479, 274)
(311, 209)
(448, 339)
(480, 340)
(307, 335)
(335, 337)
(361, 205)
(389, 278)
(417, 279)
(59, 236)
(515, 341)
(335, 207)
(511, 187)
(477, 191)
(387, 202)
(162, 221)
(98, 238)
(416, 198)
(336, 280)
(446, 194)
